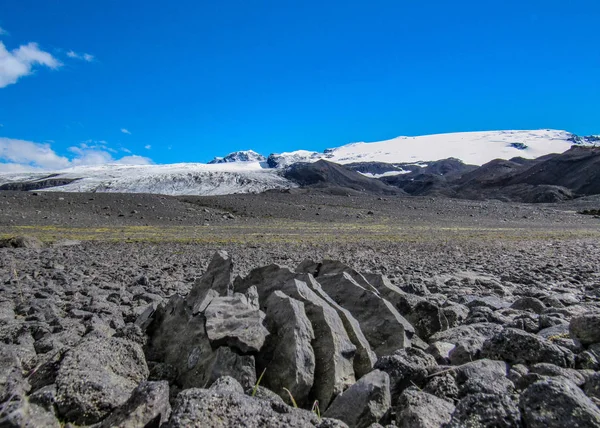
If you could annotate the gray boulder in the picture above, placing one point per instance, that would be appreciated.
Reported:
(23, 413)
(586, 328)
(492, 302)
(226, 362)
(529, 304)
(546, 369)
(486, 410)
(440, 351)
(518, 347)
(288, 359)
(443, 386)
(364, 403)
(468, 340)
(97, 376)
(426, 317)
(418, 409)
(557, 402)
(179, 335)
(219, 409)
(148, 406)
(456, 314)
(406, 367)
(236, 322)
(364, 358)
(385, 329)
(331, 344)
(12, 383)
(217, 277)
(227, 384)
(332, 268)
(592, 387)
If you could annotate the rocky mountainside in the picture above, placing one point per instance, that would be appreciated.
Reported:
(318, 345)
(240, 156)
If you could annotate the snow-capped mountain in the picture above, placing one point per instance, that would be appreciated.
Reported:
(174, 179)
(240, 156)
(248, 171)
(475, 148)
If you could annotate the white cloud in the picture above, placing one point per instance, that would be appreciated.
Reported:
(34, 155)
(20, 62)
(21, 155)
(126, 150)
(125, 131)
(147, 146)
(84, 56)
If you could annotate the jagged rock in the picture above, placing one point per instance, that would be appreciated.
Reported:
(406, 367)
(218, 409)
(456, 314)
(589, 359)
(518, 347)
(426, 317)
(97, 376)
(227, 384)
(178, 338)
(483, 410)
(217, 278)
(517, 375)
(491, 302)
(546, 369)
(364, 403)
(364, 358)
(334, 352)
(586, 328)
(385, 329)
(557, 402)
(482, 376)
(12, 383)
(226, 362)
(417, 409)
(148, 406)
(487, 370)
(266, 279)
(442, 386)
(288, 357)
(592, 387)
(440, 351)
(264, 394)
(333, 268)
(185, 333)
(529, 304)
(22, 413)
(456, 334)
(235, 322)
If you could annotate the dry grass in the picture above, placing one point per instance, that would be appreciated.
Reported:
(278, 231)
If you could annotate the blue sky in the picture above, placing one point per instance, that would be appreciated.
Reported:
(190, 80)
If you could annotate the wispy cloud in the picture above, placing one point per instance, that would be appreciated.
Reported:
(125, 131)
(21, 155)
(21, 61)
(3, 32)
(84, 56)
(147, 146)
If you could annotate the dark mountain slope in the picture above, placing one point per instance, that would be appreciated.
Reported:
(323, 174)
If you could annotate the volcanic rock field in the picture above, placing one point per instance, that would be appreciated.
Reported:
(297, 308)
